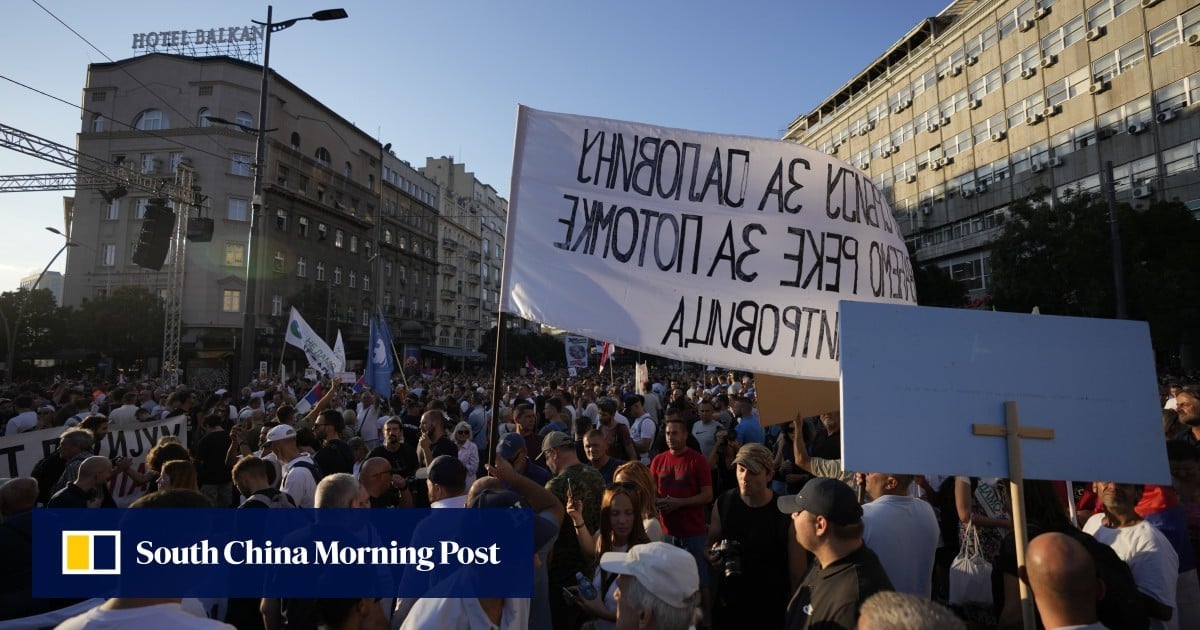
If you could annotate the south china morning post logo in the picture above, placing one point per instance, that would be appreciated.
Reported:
(89, 552)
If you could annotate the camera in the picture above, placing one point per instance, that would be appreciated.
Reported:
(729, 554)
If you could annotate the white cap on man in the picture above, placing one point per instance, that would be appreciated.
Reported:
(664, 570)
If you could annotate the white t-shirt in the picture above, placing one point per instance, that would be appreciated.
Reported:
(1150, 557)
(903, 532)
(706, 435)
(172, 616)
(20, 423)
(641, 429)
(299, 483)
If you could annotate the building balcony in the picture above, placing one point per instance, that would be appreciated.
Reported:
(449, 242)
(474, 301)
(473, 278)
(447, 294)
(446, 319)
(474, 256)
(448, 268)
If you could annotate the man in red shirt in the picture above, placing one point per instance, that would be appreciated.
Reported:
(683, 482)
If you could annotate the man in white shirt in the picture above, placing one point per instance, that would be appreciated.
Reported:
(901, 530)
(126, 414)
(298, 479)
(26, 418)
(642, 428)
(1148, 553)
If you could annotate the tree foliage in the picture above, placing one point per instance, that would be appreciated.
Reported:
(1060, 259)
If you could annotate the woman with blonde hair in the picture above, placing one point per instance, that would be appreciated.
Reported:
(620, 529)
(638, 476)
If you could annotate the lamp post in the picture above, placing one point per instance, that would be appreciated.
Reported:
(246, 368)
(12, 334)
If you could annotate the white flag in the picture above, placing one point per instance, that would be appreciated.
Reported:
(320, 357)
(339, 351)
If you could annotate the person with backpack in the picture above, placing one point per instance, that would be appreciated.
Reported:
(300, 473)
(250, 476)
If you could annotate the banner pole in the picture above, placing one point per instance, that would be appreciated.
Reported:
(497, 382)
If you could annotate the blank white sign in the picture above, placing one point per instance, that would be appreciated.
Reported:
(914, 380)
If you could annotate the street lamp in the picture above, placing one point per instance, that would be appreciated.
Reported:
(246, 368)
(12, 334)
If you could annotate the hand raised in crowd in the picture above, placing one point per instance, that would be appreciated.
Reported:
(501, 470)
(574, 508)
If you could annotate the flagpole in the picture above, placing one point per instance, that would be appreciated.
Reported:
(497, 382)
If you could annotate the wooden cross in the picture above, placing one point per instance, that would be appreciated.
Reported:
(1014, 433)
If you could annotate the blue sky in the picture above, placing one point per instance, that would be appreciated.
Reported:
(445, 78)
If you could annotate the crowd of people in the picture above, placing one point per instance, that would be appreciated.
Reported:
(664, 504)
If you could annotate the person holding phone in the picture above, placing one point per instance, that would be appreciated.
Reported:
(620, 530)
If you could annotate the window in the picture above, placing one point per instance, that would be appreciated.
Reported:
(279, 262)
(151, 120)
(338, 238)
(235, 255)
(387, 236)
(353, 244)
(337, 274)
(176, 160)
(367, 249)
(112, 211)
(387, 299)
(205, 90)
(202, 117)
(986, 84)
(320, 271)
(139, 208)
(231, 301)
(1119, 60)
(387, 270)
(147, 163)
(322, 231)
(108, 255)
(97, 123)
(281, 219)
(282, 177)
(276, 305)
(295, 141)
(400, 305)
(240, 165)
(366, 318)
(347, 170)
(244, 120)
(301, 267)
(303, 223)
(1180, 159)
(99, 97)
(237, 210)
(366, 282)
(1059, 39)
(353, 279)
(322, 156)
(1105, 11)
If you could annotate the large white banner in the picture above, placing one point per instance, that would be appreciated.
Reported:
(700, 247)
(20, 453)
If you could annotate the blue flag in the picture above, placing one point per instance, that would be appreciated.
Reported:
(379, 357)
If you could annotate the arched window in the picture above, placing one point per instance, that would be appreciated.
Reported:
(387, 236)
(347, 170)
(97, 123)
(150, 120)
(295, 141)
(244, 119)
(322, 156)
(202, 117)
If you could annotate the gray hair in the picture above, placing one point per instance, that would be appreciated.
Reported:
(890, 610)
(77, 437)
(666, 616)
(336, 491)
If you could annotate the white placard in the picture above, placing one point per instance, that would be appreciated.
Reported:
(694, 246)
(914, 380)
(576, 349)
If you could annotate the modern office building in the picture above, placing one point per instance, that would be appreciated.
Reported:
(995, 100)
(346, 226)
(51, 281)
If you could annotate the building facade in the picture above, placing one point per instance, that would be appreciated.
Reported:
(459, 311)
(52, 281)
(996, 100)
(347, 227)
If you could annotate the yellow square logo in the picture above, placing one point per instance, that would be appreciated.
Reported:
(91, 552)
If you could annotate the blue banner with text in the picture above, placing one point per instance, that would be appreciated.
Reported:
(283, 553)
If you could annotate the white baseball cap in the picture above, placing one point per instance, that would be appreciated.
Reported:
(665, 570)
(280, 432)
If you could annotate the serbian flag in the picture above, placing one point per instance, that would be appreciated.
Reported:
(310, 399)
(529, 366)
(360, 383)
(604, 354)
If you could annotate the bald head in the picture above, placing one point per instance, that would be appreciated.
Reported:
(93, 471)
(1062, 575)
(482, 484)
(18, 495)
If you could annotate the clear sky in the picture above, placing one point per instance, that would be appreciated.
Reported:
(445, 77)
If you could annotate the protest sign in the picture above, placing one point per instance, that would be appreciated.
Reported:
(21, 452)
(780, 399)
(577, 351)
(916, 380)
(692, 245)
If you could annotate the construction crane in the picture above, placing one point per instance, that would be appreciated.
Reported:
(93, 172)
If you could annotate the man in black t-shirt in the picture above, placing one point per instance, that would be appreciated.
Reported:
(335, 456)
(212, 473)
(828, 522)
(401, 455)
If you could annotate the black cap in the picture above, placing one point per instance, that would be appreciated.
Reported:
(445, 470)
(823, 496)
